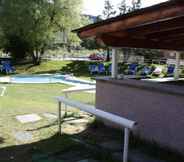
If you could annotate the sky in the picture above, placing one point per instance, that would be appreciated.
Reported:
(95, 7)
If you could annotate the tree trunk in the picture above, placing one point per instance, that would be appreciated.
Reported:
(36, 57)
(108, 55)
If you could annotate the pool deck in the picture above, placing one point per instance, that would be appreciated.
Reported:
(5, 79)
(76, 83)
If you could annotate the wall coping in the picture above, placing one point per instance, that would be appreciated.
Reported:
(145, 85)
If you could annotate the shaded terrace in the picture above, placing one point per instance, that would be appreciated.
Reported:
(156, 27)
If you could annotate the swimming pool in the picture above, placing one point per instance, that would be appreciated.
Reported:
(49, 78)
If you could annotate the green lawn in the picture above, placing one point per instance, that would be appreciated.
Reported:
(21, 99)
(31, 98)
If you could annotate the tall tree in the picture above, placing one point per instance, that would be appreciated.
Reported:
(124, 7)
(136, 4)
(28, 28)
(109, 10)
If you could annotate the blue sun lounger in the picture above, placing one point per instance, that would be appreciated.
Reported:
(170, 70)
(101, 68)
(132, 69)
(93, 69)
(6, 67)
(146, 71)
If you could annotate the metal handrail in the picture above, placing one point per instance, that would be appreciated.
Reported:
(123, 122)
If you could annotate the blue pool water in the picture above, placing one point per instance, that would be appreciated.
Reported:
(50, 78)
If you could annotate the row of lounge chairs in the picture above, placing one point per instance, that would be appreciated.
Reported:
(6, 67)
(132, 70)
(99, 69)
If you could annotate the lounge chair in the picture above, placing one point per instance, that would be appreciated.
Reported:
(6, 67)
(146, 71)
(158, 71)
(132, 69)
(101, 68)
(170, 70)
(93, 69)
(110, 69)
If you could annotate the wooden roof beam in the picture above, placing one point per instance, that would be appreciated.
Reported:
(158, 12)
(154, 29)
(140, 43)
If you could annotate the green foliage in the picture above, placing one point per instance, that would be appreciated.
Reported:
(148, 54)
(108, 10)
(28, 28)
(90, 44)
(125, 8)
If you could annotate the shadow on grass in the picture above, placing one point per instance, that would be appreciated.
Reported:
(77, 68)
(66, 148)
(85, 145)
(1, 140)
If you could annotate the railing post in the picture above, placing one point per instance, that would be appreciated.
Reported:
(114, 63)
(65, 113)
(177, 68)
(59, 117)
(126, 143)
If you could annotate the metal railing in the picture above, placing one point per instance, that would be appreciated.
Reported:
(128, 125)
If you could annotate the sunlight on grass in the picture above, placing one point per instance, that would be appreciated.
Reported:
(21, 99)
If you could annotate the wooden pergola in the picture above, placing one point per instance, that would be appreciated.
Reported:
(156, 27)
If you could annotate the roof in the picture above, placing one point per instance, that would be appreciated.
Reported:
(158, 27)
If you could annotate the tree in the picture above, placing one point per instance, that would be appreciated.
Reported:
(89, 43)
(28, 28)
(125, 8)
(136, 4)
(108, 11)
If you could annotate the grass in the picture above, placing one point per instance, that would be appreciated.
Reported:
(22, 99)
(44, 67)
(77, 68)
(31, 98)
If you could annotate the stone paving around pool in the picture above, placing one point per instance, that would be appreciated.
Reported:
(28, 118)
(22, 136)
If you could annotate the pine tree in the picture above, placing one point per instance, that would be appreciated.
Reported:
(136, 4)
(122, 7)
(108, 11)
(125, 8)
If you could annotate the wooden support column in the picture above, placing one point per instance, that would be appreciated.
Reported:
(114, 63)
(177, 68)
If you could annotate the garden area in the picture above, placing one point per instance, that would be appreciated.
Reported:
(45, 52)
(39, 140)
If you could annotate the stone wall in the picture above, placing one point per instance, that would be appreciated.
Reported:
(160, 114)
